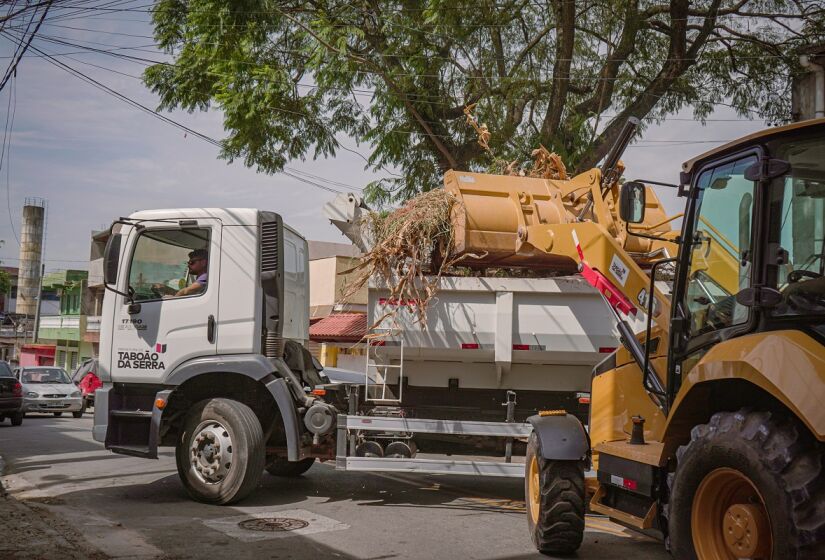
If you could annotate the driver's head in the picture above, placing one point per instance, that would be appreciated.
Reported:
(198, 260)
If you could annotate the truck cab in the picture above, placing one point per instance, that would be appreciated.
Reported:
(203, 323)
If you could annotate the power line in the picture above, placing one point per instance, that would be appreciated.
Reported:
(13, 66)
(4, 159)
(80, 75)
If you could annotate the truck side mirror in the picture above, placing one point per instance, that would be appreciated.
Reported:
(111, 259)
(632, 198)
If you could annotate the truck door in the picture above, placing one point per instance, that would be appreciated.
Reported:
(172, 274)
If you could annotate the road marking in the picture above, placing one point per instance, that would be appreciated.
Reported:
(315, 523)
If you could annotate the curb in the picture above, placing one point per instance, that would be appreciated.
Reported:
(2, 473)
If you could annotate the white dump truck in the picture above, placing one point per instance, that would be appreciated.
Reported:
(202, 349)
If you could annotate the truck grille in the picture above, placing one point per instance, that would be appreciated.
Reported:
(269, 247)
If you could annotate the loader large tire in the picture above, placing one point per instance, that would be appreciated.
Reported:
(554, 497)
(221, 454)
(749, 484)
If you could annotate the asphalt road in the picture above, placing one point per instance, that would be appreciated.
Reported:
(136, 508)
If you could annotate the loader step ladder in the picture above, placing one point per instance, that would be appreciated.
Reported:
(378, 391)
(348, 424)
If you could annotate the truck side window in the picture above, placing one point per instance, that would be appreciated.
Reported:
(720, 259)
(170, 263)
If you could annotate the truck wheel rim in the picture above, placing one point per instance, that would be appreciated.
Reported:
(535, 493)
(210, 452)
(729, 519)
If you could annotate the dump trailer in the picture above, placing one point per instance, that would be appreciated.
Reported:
(706, 429)
(487, 342)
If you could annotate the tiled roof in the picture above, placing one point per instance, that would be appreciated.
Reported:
(339, 327)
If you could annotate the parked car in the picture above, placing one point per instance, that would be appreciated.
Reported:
(85, 377)
(49, 389)
(11, 396)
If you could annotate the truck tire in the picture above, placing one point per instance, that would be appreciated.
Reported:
(220, 454)
(554, 497)
(282, 467)
(17, 419)
(748, 484)
(77, 414)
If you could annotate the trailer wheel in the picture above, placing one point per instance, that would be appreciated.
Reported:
(220, 455)
(282, 467)
(554, 496)
(748, 485)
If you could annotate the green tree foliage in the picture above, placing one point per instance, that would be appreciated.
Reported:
(292, 77)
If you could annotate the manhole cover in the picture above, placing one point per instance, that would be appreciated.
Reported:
(273, 524)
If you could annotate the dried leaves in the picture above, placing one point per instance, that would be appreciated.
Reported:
(411, 249)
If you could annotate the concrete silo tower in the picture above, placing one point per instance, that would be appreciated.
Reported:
(31, 256)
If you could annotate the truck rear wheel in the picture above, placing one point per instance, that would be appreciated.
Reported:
(748, 485)
(282, 467)
(17, 418)
(220, 455)
(554, 496)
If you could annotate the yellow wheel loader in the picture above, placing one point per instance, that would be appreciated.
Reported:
(707, 429)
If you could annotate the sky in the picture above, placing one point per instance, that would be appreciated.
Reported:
(94, 158)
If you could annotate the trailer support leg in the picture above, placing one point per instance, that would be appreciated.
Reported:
(511, 417)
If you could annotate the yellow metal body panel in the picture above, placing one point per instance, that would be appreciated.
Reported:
(631, 520)
(502, 219)
(649, 453)
(617, 395)
(788, 365)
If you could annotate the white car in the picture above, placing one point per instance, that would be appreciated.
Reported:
(49, 389)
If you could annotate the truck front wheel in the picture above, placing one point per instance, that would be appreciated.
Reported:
(554, 496)
(220, 455)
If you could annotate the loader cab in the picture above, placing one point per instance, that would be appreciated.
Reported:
(752, 256)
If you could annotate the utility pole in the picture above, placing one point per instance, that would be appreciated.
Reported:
(36, 329)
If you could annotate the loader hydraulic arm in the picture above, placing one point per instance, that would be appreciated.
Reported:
(568, 226)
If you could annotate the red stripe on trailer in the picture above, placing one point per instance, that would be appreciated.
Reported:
(521, 346)
(470, 346)
(607, 349)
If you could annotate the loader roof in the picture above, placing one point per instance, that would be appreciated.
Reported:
(755, 138)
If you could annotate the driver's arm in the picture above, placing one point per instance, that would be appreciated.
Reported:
(194, 288)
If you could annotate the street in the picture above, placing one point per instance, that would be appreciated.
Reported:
(135, 508)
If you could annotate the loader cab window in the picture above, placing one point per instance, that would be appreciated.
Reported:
(798, 228)
(170, 263)
(721, 256)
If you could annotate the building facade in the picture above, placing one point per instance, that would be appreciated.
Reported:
(66, 330)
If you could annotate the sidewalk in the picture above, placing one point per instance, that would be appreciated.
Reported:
(29, 531)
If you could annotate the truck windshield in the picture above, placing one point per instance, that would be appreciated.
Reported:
(798, 224)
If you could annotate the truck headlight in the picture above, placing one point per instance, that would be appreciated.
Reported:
(32, 395)
(75, 394)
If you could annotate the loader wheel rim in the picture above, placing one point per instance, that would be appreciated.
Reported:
(535, 489)
(210, 452)
(729, 519)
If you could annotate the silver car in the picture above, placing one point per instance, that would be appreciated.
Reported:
(49, 389)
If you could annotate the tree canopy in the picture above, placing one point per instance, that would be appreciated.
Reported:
(293, 77)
